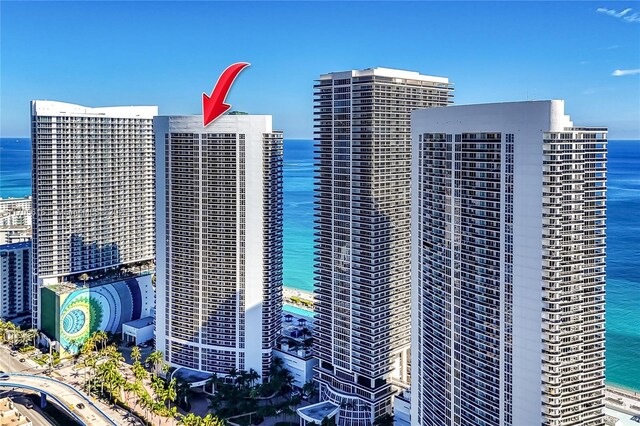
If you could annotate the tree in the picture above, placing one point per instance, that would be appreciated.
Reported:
(136, 356)
(32, 335)
(100, 337)
(211, 420)
(84, 277)
(183, 392)
(190, 420)
(309, 389)
(194, 420)
(155, 359)
(10, 328)
(252, 376)
(328, 421)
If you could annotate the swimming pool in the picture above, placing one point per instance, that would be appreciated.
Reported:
(297, 311)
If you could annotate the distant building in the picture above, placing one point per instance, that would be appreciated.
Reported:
(508, 269)
(15, 220)
(219, 227)
(15, 280)
(93, 193)
(15, 212)
(363, 247)
(15, 234)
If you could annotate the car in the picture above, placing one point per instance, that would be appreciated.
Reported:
(14, 353)
(22, 360)
(4, 376)
(80, 405)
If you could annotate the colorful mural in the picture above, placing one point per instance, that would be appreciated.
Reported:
(73, 314)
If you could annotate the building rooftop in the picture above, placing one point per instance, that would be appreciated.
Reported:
(14, 199)
(385, 72)
(140, 323)
(15, 246)
(193, 377)
(9, 416)
(55, 108)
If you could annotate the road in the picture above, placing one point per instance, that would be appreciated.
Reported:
(20, 402)
(65, 396)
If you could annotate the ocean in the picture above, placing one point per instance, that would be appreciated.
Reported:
(623, 227)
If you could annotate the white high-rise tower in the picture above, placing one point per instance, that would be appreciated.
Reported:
(508, 266)
(219, 227)
(93, 192)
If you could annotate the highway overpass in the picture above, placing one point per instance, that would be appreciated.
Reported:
(65, 396)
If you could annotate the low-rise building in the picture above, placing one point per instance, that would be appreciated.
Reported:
(138, 331)
(79, 308)
(10, 416)
(402, 408)
(295, 348)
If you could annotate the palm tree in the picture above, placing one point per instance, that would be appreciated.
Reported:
(190, 420)
(183, 391)
(84, 277)
(232, 374)
(211, 420)
(309, 389)
(11, 327)
(101, 337)
(252, 377)
(171, 393)
(155, 359)
(135, 354)
(22, 337)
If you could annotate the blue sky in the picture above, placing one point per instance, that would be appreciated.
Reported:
(168, 53)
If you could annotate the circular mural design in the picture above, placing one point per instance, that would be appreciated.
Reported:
(73, 321)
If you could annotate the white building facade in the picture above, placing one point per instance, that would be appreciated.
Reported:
(508, 266)
(15, 279)
(362, 293)
(219, 245)
(93, 191)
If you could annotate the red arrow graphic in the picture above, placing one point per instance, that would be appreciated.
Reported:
(213, 106)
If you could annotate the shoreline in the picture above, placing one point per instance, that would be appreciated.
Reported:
(628, 392)
(299, 298)
(621, 401)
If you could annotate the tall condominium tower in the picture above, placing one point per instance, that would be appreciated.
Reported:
(362, 122)
(219, 227)
(508, 266)
(93, 192)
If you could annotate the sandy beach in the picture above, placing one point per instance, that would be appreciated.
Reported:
(288, 293)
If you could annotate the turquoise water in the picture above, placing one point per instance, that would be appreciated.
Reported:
(623, 261)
